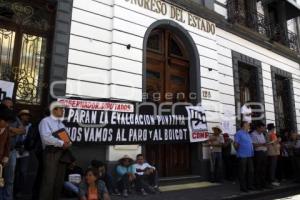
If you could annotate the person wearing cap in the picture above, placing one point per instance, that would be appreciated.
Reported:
(16, 129)
(22, 154)
(216, 142)
(260, 155)
(126, 174)
(54, 169)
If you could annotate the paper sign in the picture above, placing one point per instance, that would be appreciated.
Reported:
(7, 87)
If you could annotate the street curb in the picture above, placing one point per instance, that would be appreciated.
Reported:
(260, 194)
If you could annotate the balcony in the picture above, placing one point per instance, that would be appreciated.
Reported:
(261, 24)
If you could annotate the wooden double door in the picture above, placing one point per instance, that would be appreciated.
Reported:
(167, 80)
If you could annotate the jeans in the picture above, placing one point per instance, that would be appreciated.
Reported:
(296, 166)
(246, 173)
(273, 166)
(260, 163)
(108, 180)
(6, 193)
(38, 176)
(153, 179)
(146, 181)
(71, 187)
(21, 175)
(216, 166)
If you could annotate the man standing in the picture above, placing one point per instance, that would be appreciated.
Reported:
(243, 144)
(260, 155)
(54, 170)
(216, 142)
(22, 156)
(15, 130)
(273, 153)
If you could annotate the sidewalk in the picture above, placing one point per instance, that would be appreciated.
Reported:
(209, 191)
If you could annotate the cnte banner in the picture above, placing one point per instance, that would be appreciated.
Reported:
(109, 122)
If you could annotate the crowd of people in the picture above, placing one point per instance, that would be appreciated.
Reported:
(57, 171)
(261, 158)
(258, 158)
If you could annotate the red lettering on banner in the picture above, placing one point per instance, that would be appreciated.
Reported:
(90, 105)
(200, 135)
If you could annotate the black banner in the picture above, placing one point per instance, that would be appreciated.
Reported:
(125, 123)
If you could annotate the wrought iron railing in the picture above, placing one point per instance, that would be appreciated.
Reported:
(293, 41)
(261, 24)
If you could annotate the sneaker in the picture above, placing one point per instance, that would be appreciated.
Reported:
(157, 189)
(144, 193)
(151, 190)
(277, 184)
(116, 193)
(125, 193)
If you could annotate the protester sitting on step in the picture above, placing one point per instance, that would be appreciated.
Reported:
(73, 178)
(105, 176)
(126, 174)
(146, 174)
(92, 188)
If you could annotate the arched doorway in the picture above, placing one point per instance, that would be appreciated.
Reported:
(168, 80)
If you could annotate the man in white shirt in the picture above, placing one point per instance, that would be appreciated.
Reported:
(246, 112)
(54, 169)
(260, 155)
(146, 173)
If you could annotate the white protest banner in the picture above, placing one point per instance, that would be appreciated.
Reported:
(7, 87)
(197, 124)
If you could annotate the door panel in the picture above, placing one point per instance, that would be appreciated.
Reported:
(7, 43)
(30, 74)
(168, 72)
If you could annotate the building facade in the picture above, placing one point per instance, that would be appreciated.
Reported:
(220, 53)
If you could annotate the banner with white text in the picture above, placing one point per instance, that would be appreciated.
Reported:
(114, 123)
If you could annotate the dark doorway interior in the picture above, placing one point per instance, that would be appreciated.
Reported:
(249, 88)
(283, 104)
